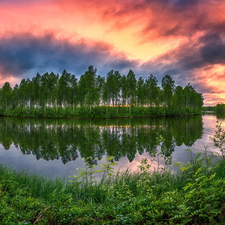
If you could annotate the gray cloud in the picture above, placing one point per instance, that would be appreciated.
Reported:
(21, 54)
(208, 50)
(187, 60)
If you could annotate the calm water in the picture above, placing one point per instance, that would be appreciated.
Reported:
(54, 147)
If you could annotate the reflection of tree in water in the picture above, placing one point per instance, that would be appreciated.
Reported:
(6, 142)
(220, 116)
(5, 135)
(58, 139)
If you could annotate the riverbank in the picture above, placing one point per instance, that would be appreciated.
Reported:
(99, 112)
(194, 196)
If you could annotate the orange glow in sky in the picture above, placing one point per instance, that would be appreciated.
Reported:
(185, 39)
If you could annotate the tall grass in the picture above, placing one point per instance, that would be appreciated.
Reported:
(38, 185)
(195, 195)
(49, 189)
(124, 198)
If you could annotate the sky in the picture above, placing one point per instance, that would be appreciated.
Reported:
(182, 38)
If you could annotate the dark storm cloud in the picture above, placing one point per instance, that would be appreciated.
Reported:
(23, 53)
(213, 52)
(186, 3)
(121, 63)
(207, 50)
(186, 62)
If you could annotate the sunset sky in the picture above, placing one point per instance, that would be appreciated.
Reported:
(182, 38)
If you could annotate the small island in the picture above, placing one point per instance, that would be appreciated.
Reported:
(92, 96)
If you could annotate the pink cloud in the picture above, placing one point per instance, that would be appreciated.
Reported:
(182, 38)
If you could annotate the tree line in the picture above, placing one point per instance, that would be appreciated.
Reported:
(209, 108)
(220, 108)
(54, 96)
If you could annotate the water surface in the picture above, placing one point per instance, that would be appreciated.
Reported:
(54, 147)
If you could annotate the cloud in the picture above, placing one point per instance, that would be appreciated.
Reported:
(153, 19)
(185, 39)
(22, 1)
(200, 61)
(208, 50)
(24, 53)
(213, 51)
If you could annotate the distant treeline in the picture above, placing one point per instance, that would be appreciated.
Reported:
(53, 96)
(220, 108)
(209, 108)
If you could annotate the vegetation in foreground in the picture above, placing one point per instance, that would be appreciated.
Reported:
(196, 195)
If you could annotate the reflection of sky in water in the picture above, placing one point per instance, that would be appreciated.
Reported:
(14, 157)
(180, 155)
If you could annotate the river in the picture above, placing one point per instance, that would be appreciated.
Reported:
(54, 147)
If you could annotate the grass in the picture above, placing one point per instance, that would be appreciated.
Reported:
(194, 196)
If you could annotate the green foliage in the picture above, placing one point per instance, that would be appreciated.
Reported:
(85, 173)
(53, 96)
(107, 168)
(220, 108)
(209, 108)
(200, 199)
(195, 196)
(219, 138)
